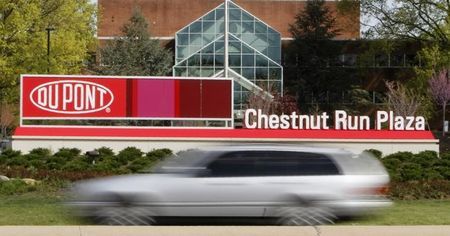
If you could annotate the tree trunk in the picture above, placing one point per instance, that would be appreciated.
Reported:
(443, 118)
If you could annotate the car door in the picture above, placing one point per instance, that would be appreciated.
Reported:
(227, 187)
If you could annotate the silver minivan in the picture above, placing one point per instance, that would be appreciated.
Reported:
(294, 185)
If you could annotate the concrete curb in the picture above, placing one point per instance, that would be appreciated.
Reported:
(224, 230)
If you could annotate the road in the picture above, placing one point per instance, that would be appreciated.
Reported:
(224, 231)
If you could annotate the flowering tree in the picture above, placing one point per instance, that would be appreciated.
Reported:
(271, 102)
(401, 100)
(440, 91)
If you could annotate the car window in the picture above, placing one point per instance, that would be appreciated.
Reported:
(271, 163)
(361, 164)
(184, 162)
(234, 164)
(295, 163)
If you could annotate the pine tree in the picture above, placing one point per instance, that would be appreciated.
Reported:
(135, 53)
(314, 23)
(310, 72)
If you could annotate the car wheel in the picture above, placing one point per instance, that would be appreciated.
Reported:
(305, 215)
(124, 214)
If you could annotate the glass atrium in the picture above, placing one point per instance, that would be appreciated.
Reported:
(254, 51)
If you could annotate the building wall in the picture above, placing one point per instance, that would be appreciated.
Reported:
(166, 17)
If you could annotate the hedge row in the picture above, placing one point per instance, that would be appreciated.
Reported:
(423, 166)
(414, 176)
(71, 164)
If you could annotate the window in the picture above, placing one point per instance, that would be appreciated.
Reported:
(271, 163)
(295, 163)
(252, 44)
(235, 164)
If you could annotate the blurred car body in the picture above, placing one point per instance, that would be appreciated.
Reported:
(296, 185)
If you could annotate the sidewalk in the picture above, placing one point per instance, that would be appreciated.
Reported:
(223, 231)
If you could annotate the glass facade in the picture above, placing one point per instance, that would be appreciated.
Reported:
(254, 51)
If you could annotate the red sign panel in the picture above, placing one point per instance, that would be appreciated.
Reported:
(125, 97)
(81, 97)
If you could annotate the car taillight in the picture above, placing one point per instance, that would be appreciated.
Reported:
(382, 190)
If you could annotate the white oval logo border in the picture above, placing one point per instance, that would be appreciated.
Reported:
(71, 112)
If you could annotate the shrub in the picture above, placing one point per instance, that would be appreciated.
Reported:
(76, 165)
(401, 156)
(139, 165)
(68, 153)
(16, 161)
(158, 154)
(443, 166)
(15, 186)
(8, 154)
(129, 154)
(42, 152)
(410, 171)
(445, 156)
(106, 166)
(105, 152)
(414, 190)
(425, 159)
(55, 163)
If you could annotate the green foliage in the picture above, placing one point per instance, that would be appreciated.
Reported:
(402, 156)
(314, 23)
(426, 165)
(105, 152)
(158, 154)
(41, 152)
(68, 153)
(23, 41)
(15, 186)
(425, 22)
(308, 72)
(129, 154)
(414, 190)
(8, 154)
(76, 165)
(139, 164)
(410, 171)
(135, 53)
(68, 163)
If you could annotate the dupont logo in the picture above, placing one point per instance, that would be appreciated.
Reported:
(72, 97)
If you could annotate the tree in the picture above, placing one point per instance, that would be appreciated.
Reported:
(23, 39)
(426, 22)
(402, 100)
(135, 53)
(440, 91)
(271, 102)
(310, 70)
(408, 19)
(6, 119)
(314, 23)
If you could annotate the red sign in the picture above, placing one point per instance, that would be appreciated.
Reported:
(91, 97)
(66, 97)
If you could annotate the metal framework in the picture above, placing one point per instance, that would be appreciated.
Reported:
(230, 42)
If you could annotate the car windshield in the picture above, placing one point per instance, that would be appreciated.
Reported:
(182, 162)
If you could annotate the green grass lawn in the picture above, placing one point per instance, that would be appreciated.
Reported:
(39, 209)
(34, 209)
(414, 212)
